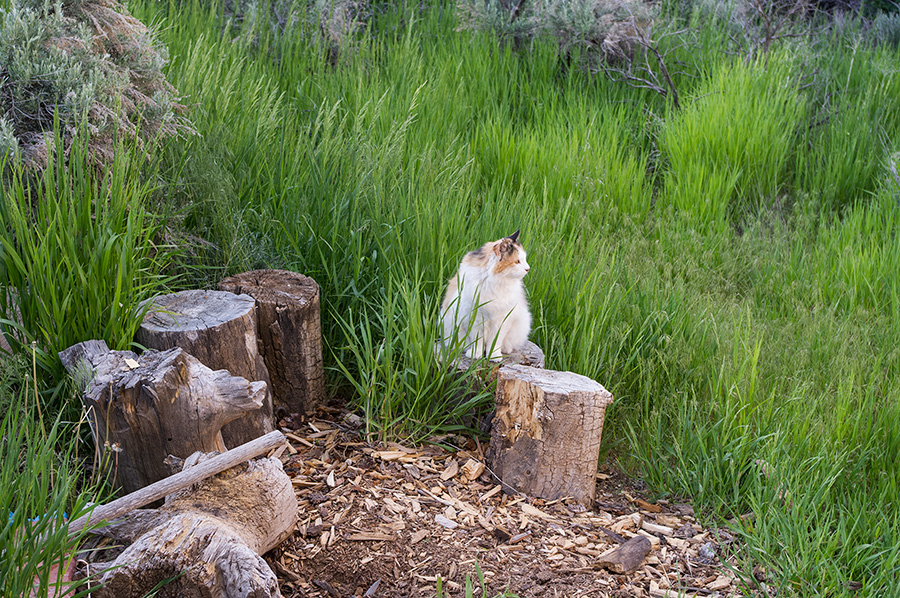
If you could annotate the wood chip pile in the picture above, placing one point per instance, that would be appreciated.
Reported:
(390, 520)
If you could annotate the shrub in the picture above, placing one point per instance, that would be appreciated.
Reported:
(331, 23)
(89, 64)
(886, 29)
(598, 31)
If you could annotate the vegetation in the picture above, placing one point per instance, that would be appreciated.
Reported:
(727, 267)
(87, 65)
(41, 488)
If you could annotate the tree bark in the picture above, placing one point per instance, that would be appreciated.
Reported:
(146, 407)
(219, 329)
(209, 537)
(545, 436)
(290, 335)
(192, 474)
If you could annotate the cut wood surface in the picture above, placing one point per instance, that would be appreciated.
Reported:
(147, 407)
(546, 430)
(208, 536)
(627, 557)
(219, 329)
(290, 334)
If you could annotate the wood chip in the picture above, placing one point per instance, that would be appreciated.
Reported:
(720, 583)
(657, 529)
(418, 536)
(627, 557)
(441, 520)
(492, 492)
(450, 471)
(389, 455)
(472, 469)
(330, 479)
(132, 363)
(643, 504)
(535, 512)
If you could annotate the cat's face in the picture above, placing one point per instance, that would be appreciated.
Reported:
(509, 257)
(504, 258)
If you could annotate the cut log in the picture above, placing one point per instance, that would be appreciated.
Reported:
(219, 329)
(208, 537)
(146, 407)
(545, 434)
(626, 557)
(290, 335)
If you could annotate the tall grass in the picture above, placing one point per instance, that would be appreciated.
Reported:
(41, 490)
(78, 254)
(726, 269)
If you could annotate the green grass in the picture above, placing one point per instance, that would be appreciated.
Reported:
(728, 270)
(79, 252)
(42, 488)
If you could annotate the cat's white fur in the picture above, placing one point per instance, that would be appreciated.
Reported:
(485, 305)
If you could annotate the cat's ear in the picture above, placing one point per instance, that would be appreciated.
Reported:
(515, 235)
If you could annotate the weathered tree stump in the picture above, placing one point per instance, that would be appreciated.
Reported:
(209, 536)
(219, 329)
(290, 334)
(149, 406)
(545, 436)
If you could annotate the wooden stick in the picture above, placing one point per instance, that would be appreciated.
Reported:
(180, 480)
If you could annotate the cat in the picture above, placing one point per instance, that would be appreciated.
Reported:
(485, 305)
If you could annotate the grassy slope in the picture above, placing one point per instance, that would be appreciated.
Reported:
(749, 315)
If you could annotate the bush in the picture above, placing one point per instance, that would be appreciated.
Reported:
(597, 31)
(886, 30)
(89, 64)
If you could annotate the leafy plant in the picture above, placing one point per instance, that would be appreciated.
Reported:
(470, 586)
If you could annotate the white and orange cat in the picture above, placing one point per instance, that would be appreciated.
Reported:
(485, 306)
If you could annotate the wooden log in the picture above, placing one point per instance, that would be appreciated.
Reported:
(219, 329)
(290, 335)
(545, 436)
(208, 536)
(146, 407)
(626, 557)
(179, 481)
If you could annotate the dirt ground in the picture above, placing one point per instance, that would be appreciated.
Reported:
(398, 521)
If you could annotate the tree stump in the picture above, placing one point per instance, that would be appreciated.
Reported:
(219, 329)
(210, 535)
(290, 334)
(545, 436)
(146, 407)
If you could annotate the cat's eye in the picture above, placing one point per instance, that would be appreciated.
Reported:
(518, 261)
